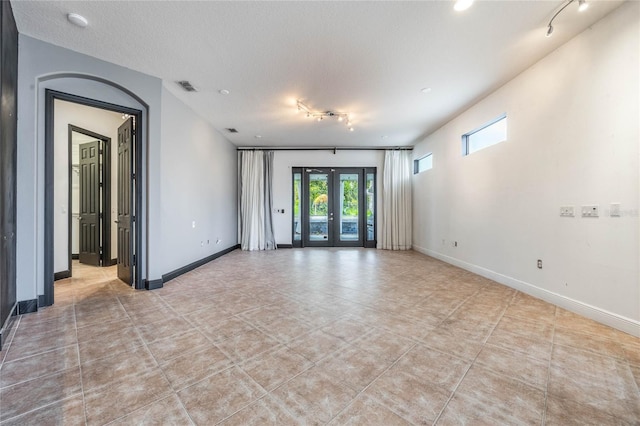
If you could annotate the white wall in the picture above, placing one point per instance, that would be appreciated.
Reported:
(99, 121)
(283, 161)
(198, 184)
(572, 140)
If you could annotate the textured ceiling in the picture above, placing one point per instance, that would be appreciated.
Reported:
(369, 59)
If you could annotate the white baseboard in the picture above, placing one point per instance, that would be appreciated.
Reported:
(611, 319)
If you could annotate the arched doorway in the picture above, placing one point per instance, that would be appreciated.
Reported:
(133, 186)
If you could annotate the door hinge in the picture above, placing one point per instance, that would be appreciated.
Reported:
(133, 176)
(134, 260)
(134, 219)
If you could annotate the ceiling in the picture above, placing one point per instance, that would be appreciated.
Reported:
(370, 59)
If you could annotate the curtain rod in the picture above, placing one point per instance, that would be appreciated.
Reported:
(327, 148)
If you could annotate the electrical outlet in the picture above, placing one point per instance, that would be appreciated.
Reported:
(539, 263)
(567, 211)
(590, 211)
(193, 224)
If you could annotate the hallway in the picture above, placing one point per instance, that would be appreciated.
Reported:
(314, 336)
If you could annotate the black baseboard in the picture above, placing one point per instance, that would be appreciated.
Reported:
(61, 275)
(41, 301)
(284, 246)
(111, 262)
(190, 267)
(75, 256)
(153, 284)
(27, 306)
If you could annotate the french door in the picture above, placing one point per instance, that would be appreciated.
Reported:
(334, 207)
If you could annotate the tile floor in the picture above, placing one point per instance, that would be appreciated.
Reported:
(314, 336)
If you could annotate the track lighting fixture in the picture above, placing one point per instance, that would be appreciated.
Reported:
(321, 115)
(582, 6)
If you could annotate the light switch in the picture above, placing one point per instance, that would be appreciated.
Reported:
(590, 211)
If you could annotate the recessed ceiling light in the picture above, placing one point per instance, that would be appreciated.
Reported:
(462, 5)
(77, 20)
(385, 137)
(223, 91)
(258, 136)
(426, 90)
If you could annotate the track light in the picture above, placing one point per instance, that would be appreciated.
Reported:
(582, 6)
(321, 115)
(461, 5)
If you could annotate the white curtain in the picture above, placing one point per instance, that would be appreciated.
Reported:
(396, 201)
(255, 172)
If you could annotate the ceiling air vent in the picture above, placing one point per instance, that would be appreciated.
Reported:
(186, 86)
(231, 130)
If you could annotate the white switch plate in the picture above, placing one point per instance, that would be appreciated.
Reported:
(615, 210)
(590, 211)
(567, 211)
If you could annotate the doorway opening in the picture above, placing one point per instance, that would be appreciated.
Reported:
(334, 207)
(90, 189)
(101, 193)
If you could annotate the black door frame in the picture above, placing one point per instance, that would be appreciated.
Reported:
(334, 201)
(50, 97)
(105, 255)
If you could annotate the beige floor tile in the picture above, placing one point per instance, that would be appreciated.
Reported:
(68, 411)
(562, 412)
(589, 342)
(195, 366)
(265, 411)
(432, 366)
(484, 396)
(39, 365)
(26, 396)
(521, 343)
(276, 366)
(316, 345)
(219, 396)
(104, 371)
(246, 345)
(414, 399)
(353, 367)
(125, 396)
(166, 411)
(117, 342)
(603, 383)
(453, 344)
(365, 411)
(168, 348)
(313, 398)
(512, 364)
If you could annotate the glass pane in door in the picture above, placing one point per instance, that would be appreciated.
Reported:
(318, 206)
(370, 200)
(349, 207)
(297, 207)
